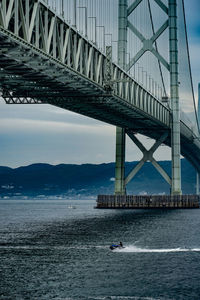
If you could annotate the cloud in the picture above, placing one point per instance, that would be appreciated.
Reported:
(44, 112)
(52, 127)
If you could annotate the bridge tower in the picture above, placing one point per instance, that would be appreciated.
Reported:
(120, 132)
(174, 97)
(198, 115)
(172, 66)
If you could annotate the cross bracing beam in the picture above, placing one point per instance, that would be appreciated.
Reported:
(162, 6)
(148, 156)
(133, 6)
(148, 45)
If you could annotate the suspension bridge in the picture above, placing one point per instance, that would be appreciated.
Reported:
(122, 62)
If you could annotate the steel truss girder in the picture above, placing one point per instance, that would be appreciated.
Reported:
(10, 99)
(55, 73)
(147, 43)
(147, 156)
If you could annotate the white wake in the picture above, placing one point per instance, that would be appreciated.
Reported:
(147, 250)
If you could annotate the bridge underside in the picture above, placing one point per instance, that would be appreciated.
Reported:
(28, 75)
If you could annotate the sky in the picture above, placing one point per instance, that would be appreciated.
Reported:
(46, 134)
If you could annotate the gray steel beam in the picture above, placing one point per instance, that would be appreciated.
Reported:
(174, 94)
(148, 156)
(120, 132)
(198, 116)
(197, 184)
(147, 45)
(162, 6)
(133, 6)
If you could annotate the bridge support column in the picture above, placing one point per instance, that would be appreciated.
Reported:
(197, 184)
(120, 132)
(120, 162)
(174, 95)
(198, 116)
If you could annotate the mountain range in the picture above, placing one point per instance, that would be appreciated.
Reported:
(86, 180)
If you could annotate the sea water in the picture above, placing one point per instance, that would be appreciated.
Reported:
(59, 249)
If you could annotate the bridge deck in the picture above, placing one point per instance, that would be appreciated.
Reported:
(148, 201)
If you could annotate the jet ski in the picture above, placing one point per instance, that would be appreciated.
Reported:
(118, 246)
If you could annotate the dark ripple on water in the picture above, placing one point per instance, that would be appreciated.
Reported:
(49, 251)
